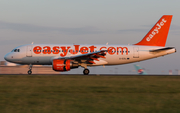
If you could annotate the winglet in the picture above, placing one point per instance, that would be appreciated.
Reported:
(158, 34)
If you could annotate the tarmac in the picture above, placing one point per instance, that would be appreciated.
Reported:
(85, 75)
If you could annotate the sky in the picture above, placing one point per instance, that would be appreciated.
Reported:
(90, 22)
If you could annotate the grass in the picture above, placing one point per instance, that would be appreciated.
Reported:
(89, 94)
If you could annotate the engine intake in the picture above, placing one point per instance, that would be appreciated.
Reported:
(63, 65)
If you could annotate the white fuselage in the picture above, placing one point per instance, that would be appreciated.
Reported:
(43, 54)
(66, 57)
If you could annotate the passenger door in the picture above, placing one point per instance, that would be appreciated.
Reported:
(136, 52)
(29, 51)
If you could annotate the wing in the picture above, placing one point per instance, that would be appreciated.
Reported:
(87, 58)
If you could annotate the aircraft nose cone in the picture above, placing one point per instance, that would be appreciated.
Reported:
(7, 57)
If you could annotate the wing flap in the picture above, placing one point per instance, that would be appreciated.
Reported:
(93, 55)
(89, 58)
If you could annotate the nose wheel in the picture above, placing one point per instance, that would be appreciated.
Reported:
(86, 71)
(30, 69)
(29, 72)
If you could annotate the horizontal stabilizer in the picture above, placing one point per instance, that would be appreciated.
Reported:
(162, 49)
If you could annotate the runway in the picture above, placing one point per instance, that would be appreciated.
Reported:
(86, 75)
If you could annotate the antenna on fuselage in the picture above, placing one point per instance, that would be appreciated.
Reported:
(107, 43)
(32, 43)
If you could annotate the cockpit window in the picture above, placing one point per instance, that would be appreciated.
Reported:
(15, 50)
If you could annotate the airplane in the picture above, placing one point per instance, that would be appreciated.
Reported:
(140, 70)
(67, 57)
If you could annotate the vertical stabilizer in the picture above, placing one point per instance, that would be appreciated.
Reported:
(140, 70)
(158, 34)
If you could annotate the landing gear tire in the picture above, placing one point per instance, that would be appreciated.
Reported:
(30, 67)
(29, 72)
(86, 71)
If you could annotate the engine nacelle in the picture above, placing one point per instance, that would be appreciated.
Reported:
(63, 65)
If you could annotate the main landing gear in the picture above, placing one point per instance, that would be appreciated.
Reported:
(30, 68)
(86, 71)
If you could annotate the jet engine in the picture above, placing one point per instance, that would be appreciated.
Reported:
(63, 65)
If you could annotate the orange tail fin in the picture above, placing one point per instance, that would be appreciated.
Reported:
(158, 34)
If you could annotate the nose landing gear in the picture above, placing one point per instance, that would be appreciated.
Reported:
(29, 72)
(30, 68)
